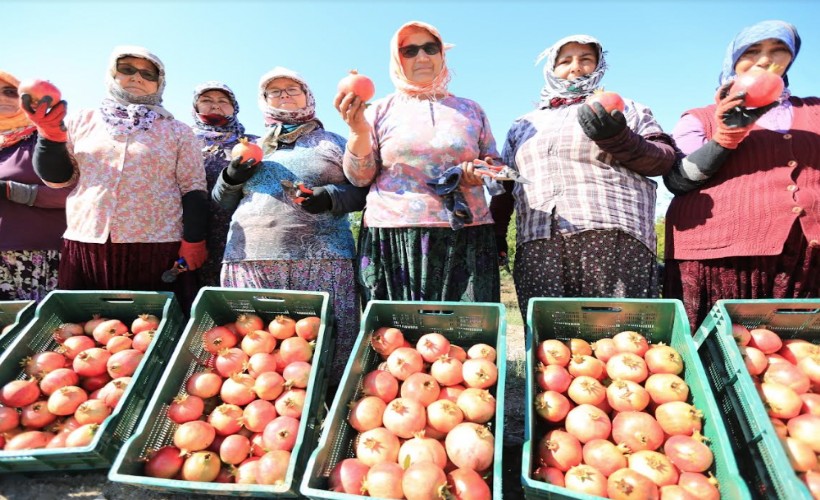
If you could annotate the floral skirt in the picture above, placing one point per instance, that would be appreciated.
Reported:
(607, 263)
(334, 276)
(28, 274)
(429, 264)
(793, 274)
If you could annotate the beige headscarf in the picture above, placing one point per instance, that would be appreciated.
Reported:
(19, 119)
(438, 87)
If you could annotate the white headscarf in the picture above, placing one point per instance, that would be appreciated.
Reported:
(151, 101)
(561, 88)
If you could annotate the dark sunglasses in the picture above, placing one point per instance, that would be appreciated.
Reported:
(9, 92)
(128, 70)
(410, 51)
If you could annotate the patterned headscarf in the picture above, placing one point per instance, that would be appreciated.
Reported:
(124, 112)
(227, 133)
(438, 87)
(751, 35)
(286, 125)
(580, 87)
(16, 127)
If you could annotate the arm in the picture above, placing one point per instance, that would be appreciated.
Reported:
(190, 175)
(227, 195)
(359, 162)
(33, 195)
(52, 163)
(346, 197)
(503, 205)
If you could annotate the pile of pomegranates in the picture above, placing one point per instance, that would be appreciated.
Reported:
(786, 374)
(237, 420)
(616, 421)
(67, 392)
(422, 420)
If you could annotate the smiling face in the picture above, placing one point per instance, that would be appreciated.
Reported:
(139, 82)
(287, 94)
(9, 102)
(575, 60)
(214, 102)
(763, 54)
(423, 68)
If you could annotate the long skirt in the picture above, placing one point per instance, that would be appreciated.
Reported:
(793, 274)
(334, 276)
(28, 274)
(124, 266)
(429, 264)
(607, 263)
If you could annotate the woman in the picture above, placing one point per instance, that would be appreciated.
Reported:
(586, 221)
(32, 215)
(138, 201)
(744, 223)
(414, 245)
(276, 240)
(216, 125)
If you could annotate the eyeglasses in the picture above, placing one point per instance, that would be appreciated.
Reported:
(128, 70)
(277, 93)
(9, 92)
(410, 51)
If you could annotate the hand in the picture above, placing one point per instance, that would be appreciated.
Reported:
(501, 246)
(351, 108)
(193, 253)
(731, 133)
(238, 173)
(469, 177)
(49, 121)
(738, 115)
(597, 124)
(318, 202)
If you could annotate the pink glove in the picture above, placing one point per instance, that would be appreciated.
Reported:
(193, 253)
(49, 121)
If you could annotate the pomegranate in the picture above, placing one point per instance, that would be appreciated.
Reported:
(36, 416)
(609, 100)
(587, 422)
(377, 445)
(203, 384)
(383, 480)
(238, 390)
(203, 466)
(422, 449)
(366, 413)
(656, 466)
(164, 463)
(447, 371)
(481, 351)
(282, 327)
(559, 449)
(765, 340)
(628, 484)
(19, 393)
(291, 403)
(552, 377)
(663, 359)
(124, 363)
(762, 86)
(585, 479)
(605, 455)
(688, 453)
(637, 430)
(443, 415)
(553, 352)
(269, 385)
(404, 417)
(144, 322)
(218, 338)
(357, 84)
(246, 150)
(552, 406)
(272, 467)
(477, 405)
(93, 411)
(385, 340)
(66, 400)
(702, 487)
(194, 436)
(280, 433)
(66, 331)
(308, 327)
(678, 417)
(348, 475)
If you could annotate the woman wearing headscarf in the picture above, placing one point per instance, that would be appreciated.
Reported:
(586, 222)
(138, 201)
(216, 125)
(416, 244)
(744, 223)
(284, 238)
(32, 215)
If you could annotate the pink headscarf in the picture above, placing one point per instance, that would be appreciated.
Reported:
(439, 85)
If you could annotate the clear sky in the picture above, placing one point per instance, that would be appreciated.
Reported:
(665, 54)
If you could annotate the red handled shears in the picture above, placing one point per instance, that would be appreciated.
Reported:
(296, 191)
(498, 172)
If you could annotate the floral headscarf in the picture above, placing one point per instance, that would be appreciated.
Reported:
(16, 127)
(580, 87)
(438, 87)
(226, 133)
(751, 35)
(286, 125)
(124, 112)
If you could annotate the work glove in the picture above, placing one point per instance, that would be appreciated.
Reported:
(193, 253)
(318, 202)
(24, 194)
(501, 247)
(597, 124)
(49, 122)
(238, 172)
(734, 120)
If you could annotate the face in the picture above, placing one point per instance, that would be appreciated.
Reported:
(290, 96)
(214, 102)
(763, 54)
(422, 68)
(9, 103)
(575, 60)
(143, 78)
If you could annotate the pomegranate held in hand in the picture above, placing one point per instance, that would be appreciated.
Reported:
(246, 151)
(762, 86)
(38, 89)
(609, 100)
(360, 85)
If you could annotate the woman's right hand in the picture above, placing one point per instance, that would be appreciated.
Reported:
(47, 118)
(351, 108)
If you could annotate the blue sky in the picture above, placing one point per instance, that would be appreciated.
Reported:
(666, 55)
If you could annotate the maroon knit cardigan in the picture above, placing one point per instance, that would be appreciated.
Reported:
(748, 207)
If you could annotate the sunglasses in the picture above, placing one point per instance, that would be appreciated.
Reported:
(410, 51)
(9, 92)
(128, 70)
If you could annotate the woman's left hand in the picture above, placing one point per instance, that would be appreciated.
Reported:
(469, 177)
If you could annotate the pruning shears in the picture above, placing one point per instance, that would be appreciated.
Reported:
(180, 266)
(498, 172)
(296, 191)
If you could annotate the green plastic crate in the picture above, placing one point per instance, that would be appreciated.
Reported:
(72, 307)
(17, 313)
(461, 323)
(215, 306)
(762, 459)
(659, 320)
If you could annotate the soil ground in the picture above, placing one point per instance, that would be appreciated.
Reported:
(95, 485)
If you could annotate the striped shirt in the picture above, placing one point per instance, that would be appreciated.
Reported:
(571, 176)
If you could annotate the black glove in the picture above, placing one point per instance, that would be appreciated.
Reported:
(3, 190)
(597, 124)
(239, 173)
(502, 248)
(320, 201)
(740, 116)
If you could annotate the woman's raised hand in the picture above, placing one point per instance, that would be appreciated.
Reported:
(351, 108)
(48, 117)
